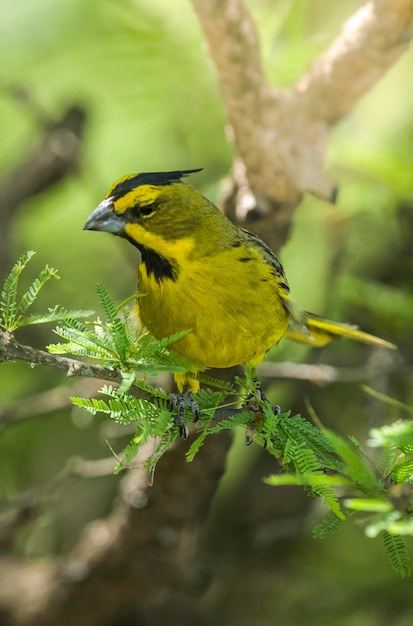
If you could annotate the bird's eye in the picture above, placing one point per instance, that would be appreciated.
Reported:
(147, 210)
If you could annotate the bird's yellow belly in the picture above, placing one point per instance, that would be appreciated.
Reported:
(228, 326)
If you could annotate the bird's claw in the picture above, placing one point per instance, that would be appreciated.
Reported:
(183, 401)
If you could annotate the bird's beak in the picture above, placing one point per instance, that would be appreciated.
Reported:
(105, 219)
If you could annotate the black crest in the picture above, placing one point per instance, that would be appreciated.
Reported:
(149, 178)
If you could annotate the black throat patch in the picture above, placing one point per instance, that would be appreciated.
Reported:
(156, 265)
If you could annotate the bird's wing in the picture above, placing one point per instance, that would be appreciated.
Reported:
(270, 259)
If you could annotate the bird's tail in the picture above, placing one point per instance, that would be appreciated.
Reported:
(317, 331)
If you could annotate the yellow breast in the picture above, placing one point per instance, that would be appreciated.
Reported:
(234, 309)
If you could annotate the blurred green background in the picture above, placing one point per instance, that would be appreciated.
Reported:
(142, 72)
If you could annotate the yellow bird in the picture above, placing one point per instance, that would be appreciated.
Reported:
(199, 271)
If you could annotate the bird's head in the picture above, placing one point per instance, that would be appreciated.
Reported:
(148, 207)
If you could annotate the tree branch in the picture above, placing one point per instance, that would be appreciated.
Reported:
(234, 46)
(324, 374)
(144, 545)
(44, 402)
(282, 137)
(51, 160)
(11, 350)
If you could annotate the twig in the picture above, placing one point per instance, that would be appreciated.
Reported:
(25, 507)
(55, 157)
(323, 374)
(42, 403)
(11, 349)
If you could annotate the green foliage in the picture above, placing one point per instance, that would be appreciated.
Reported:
(381, 493)
(13, 309)
(120, 343)
(328, 466)
(329, 525)
(395, 547)
(339, 472)
(152, 418)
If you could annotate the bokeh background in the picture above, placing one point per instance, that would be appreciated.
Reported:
(141, 73)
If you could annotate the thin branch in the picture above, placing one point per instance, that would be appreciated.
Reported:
(324, 374)
(51, 160)
(11, 350)
(43, 403)
(19, 510)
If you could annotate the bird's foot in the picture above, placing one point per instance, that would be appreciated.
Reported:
(184, 401)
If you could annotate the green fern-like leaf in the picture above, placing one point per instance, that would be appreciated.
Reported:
(293, 430)
(155, 351)
(403, 472)
(152, 420)
(317, 441)
(396, 551)
(329, 525)
(119, 335)
(399, 434)
(31, 294)
(389, 457)
(8, 296)
(150, 389)
(198, 443)
(13, 312)
(107, 303)
(358, 471)
(304, 458)
(208, 399)
(129, 454)
(230, 423)
(224, 385)
(308, 467)
(57, 314)
(130, 325)
(82, 342)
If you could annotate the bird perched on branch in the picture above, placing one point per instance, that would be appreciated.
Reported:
(199, 271)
